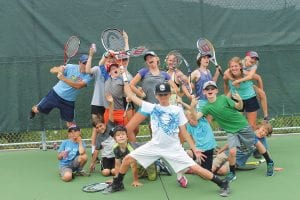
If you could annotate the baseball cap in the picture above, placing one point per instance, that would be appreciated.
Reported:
(116, 129)
(209, 83)
(111, 65)
(149, 53)
(73, 128)
(252, 54)
(83, 58)
(162, 88)
(199, 55)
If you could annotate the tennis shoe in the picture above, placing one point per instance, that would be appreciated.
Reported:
(82, 173)
(230, 177)
(270, 169)
(224, 189)
(183, 182)
(151, 172)
(31, 114)
(162, 168)
(114, 187)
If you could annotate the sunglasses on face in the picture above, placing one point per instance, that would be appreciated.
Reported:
(210, 88)
(162, 94)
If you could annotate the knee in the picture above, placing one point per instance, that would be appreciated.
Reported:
(113, 172)
(232, 152)
(67, 177)
(127, 160)
(105, 172)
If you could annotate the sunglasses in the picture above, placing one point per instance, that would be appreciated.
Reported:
(163, 94)
(210, 88)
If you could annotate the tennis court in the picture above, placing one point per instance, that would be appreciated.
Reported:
(33, 175)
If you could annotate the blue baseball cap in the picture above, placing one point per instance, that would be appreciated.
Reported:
(83, 58)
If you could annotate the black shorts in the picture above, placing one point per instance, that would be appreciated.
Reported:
(107, 163)
(97, 110)
(207, 164)
(250, 105)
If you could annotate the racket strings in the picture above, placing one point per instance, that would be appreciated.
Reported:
(72, 46)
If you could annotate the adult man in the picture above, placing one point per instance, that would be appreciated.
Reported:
(63, 95)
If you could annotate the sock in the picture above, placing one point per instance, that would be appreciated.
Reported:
(93, 148)
(232, 168)
(267, 157)
(217, 180)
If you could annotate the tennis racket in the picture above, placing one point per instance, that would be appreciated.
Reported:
(134, 52)
(205, 47)
(71, 48)
(177, 63)
(256, 162)
(95, 187)
(112, 39)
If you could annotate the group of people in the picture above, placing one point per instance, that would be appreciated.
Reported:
(121, 102)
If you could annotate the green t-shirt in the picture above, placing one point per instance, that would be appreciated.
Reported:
(223, 111)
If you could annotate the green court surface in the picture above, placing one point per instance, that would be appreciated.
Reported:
(33, 175)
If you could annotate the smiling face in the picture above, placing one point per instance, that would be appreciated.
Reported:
(211, 93)
(121, 137)
(235, 67)
(100, 127)
(172, 61)
(250, 61)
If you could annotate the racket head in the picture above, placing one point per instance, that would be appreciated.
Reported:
(112, 39)
(137, 51)
(206, 48)
(94, 187)
(174, 59)
(71, 48)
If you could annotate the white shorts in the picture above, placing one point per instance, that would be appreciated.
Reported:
(176, 156)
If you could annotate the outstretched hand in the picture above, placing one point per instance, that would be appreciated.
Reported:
(136, 184)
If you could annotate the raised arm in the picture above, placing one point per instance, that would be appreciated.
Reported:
(196, 115)
(88, 66)
(239, 104)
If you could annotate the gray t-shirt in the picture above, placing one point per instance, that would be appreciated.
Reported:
(105, 142)
(115, 87)
(98, 95)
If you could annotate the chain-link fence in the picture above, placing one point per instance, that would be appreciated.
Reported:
(47, 139)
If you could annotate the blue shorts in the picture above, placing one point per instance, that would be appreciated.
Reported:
(52, 100)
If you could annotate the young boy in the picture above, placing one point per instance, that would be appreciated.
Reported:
(220, 166)
(104, 142)
(71, 155)
(225, 111)
(166, 122)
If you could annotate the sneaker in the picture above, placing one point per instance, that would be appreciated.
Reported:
(266, 119)
(230, 177)
(151, 172)
(270, 169)
(82, 173)
(183, 182)
(114, 187)
(31, 114)
(224, 190)
(162, 168)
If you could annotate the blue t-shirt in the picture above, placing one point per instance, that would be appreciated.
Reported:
(202, 135)
(73, 73)
(73, 152)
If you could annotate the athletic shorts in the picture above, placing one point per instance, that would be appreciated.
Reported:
(175, 155)
(207, 163)
(243, 139)
(250, 105)
(95, 110)
(52, 100)
(118, 115)
(107, 163)
(73, 167)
